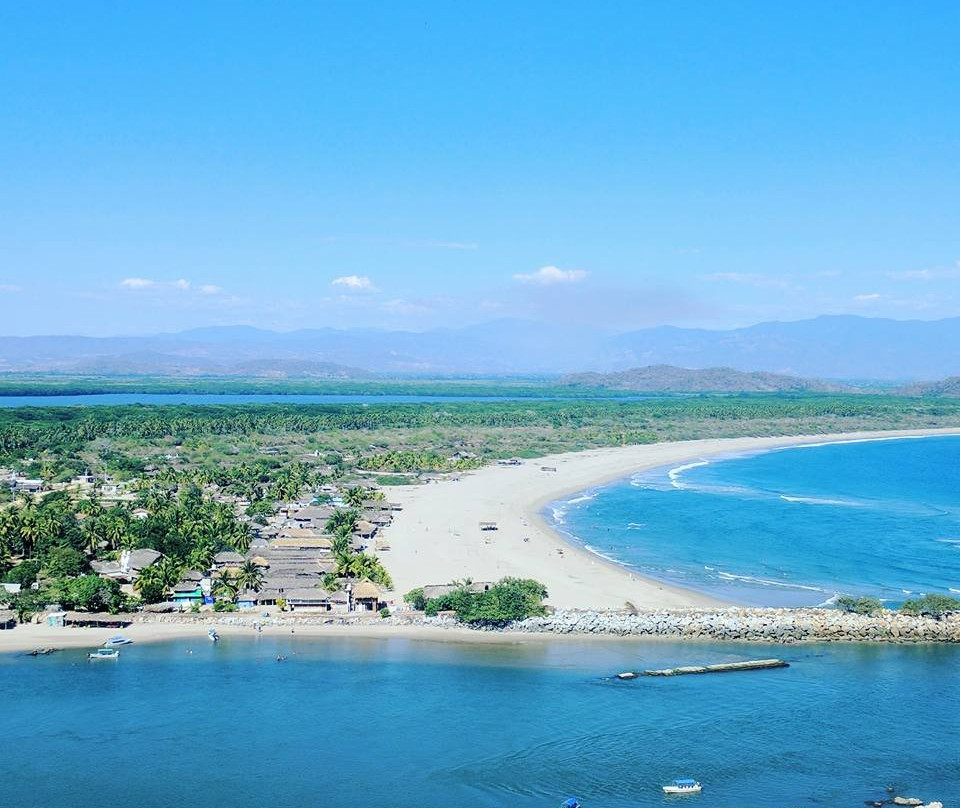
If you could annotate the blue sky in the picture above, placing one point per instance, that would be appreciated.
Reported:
(411, 165)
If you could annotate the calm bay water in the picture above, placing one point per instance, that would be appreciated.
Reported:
(789, 527)
(403, 724)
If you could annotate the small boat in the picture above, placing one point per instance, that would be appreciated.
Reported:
(104, 653)
(683, 787)
(213, 636)
(118, 640)
(572, 802)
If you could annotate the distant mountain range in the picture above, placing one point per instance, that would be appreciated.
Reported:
(829, 347)
(669, 379)
(948, 388)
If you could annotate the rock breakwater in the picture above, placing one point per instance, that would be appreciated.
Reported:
(743, 624)
(759, 625)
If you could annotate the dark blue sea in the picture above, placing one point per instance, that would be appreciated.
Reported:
(788, 527)
(403, 724)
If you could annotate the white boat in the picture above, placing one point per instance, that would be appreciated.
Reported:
(212, 635)
(104, 653)
(118, 640)
(683, 787)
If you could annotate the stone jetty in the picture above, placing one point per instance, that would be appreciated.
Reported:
(783, 626)
(760, 625)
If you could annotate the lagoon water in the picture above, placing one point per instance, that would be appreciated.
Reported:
(789, 527)
(401, 724)
(161, 399)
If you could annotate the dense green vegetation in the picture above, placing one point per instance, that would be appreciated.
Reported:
(507, 600)
(862, 605)
(531, 426)
(932, 605)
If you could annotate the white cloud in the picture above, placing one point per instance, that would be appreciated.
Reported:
(934, 274)
(357, 283)
(867, 298)
(547, 276)
(177, 286)
(7, 287)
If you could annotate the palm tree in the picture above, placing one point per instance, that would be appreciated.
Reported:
(340, 544)
(31, 529)
(239, 537)
(355, 496)
(342, 519)
(225, 585)
(249, 577)
(116, 530)
(9, 528)
(167, 571)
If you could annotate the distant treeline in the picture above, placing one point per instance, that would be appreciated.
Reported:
(47, 385)
(67, 428)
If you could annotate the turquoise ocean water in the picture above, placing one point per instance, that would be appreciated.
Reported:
(788, 527)
(399, 724)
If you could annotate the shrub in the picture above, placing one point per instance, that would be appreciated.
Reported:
(932, 605)
(224, 606)
(62, 562)
(507, 600)
(384, 612)
(848, 603)
(25, 574)
(282, 604)
(88, 593)
(416, 599)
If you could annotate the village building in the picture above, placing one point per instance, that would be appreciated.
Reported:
(128, 567)
(365, 596)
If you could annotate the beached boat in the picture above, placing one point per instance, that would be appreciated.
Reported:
(213, 636)
(104, 653)
(683, 787)
(118, 640)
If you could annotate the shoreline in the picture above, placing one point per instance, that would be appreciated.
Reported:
(435, 539)
(768, 626)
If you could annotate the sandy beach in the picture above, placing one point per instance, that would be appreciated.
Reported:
(32, 635)
(437, 539)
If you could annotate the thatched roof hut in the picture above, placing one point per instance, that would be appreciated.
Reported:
(366, 590)
(292, 543)
(228, 558)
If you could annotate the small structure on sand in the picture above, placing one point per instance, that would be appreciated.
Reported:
(488, 526)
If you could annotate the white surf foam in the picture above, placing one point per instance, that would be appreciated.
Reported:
(764, 582)
(674, 473)
(845, 503)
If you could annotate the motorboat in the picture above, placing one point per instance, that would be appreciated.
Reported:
(572, 802)
(212, 635)
(685, 786)
(118, 640)
(104, 653)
